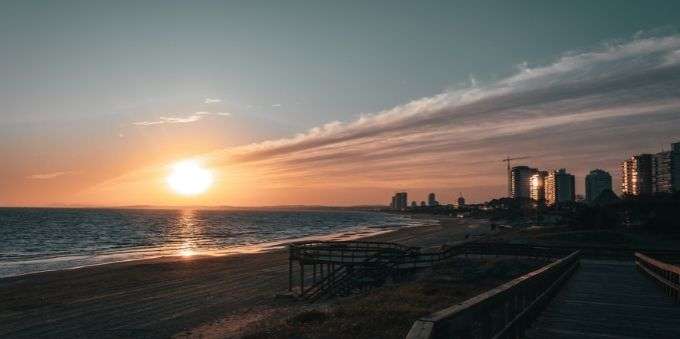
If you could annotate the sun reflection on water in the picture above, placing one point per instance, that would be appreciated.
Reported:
(188, 225)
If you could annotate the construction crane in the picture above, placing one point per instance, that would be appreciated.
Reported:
(507, 161)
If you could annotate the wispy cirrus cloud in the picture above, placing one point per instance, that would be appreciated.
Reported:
(212, 101)
(222, 114)
(630, 86)
(585, 110)
(48, 176)
(197, 116)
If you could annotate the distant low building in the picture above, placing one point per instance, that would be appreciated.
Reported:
(597, 181)
(559, 187)
(432, 200)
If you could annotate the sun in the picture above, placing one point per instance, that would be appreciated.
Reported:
(189, 178)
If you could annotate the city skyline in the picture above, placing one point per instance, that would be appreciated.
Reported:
(641, 174)
(99, 106)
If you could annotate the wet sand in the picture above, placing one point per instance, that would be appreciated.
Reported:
(162, 297)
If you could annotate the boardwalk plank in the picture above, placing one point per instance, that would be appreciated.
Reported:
(608, 299)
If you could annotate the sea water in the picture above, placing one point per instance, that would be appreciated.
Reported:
(41, 239)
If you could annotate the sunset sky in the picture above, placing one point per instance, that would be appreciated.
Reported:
(325, 102)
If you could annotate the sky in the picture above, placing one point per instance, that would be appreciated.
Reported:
(325, 102)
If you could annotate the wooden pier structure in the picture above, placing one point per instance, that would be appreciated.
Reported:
(332, 268)
(324, 269)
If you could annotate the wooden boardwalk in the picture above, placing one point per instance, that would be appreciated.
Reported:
(608, 299)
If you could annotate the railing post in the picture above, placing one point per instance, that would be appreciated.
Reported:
(290, 273)
(302, 278)
(506, 311)
(314, 273)
(677, 283)
(517, 330)
(674, 280)
(487, 325)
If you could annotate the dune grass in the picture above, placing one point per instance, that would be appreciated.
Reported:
(389, 311)
(569, 236)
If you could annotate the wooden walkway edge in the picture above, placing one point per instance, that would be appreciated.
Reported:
(608, 299)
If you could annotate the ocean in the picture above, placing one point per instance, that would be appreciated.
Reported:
(43, 239)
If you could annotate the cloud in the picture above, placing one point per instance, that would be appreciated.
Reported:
(585, 110)
(212, 101)
(637, 82)
(48, 176)
(197, 116)
(223, 114)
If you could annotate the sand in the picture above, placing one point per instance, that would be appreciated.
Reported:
(170, 296)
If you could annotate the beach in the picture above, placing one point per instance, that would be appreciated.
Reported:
(170, 296)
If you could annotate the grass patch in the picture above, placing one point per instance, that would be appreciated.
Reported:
(567, 236)
(586, 238)
(389, 311)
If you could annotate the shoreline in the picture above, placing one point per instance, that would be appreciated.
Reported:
(264, 247)
(166, 296)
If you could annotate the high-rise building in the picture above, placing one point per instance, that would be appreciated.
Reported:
(662, 172)
(537, 190)
(596, 182)
(675, 148)
(559, 187)
(432, 200)
(666, 170)
(520, 181)
(637, 175)
(399, 201)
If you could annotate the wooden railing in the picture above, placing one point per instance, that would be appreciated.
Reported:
(343, 252)
(323, 259)
(504, 312)
(665, 274)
